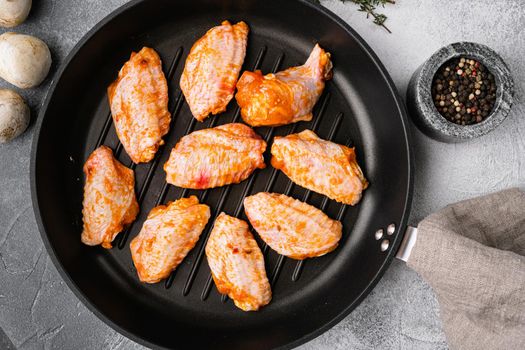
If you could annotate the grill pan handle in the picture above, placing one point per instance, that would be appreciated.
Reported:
(409, 240)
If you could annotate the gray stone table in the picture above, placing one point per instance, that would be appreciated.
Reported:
(38, 311)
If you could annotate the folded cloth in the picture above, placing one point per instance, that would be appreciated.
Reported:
(473, 255)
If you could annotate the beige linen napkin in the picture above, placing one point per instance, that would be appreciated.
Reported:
(473, 255)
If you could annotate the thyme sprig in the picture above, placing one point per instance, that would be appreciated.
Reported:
(370, 7)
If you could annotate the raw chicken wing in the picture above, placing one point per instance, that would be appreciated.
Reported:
(212, 69)
(139, 105)
(285, 97)
(237, 264)
(291, 227)
(215, 157)
(109, 198)
(168, 234)
(321, 166)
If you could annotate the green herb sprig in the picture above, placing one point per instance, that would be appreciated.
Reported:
(370, 7)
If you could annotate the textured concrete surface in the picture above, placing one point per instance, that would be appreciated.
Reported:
(37, 310)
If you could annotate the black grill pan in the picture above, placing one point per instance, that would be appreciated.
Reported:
(359, 107)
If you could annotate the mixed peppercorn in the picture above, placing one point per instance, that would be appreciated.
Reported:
(464, 91)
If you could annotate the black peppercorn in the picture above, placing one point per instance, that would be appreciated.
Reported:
(464, 91)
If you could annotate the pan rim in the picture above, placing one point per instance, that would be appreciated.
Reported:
(64, 274)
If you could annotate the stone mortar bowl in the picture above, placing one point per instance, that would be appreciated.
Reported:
(425, 114)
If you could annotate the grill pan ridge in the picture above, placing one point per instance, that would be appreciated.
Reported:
(187, 302)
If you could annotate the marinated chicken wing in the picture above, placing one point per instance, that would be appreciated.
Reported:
(285, 97)
(215, 157)
(109, 198)
(237, 264)
(291, 227)
(168, 234)
(319, 165)
(139, 105)
(212, 69)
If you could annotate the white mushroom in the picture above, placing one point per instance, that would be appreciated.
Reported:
(14, 115)
(24, 59)
(13, 12)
